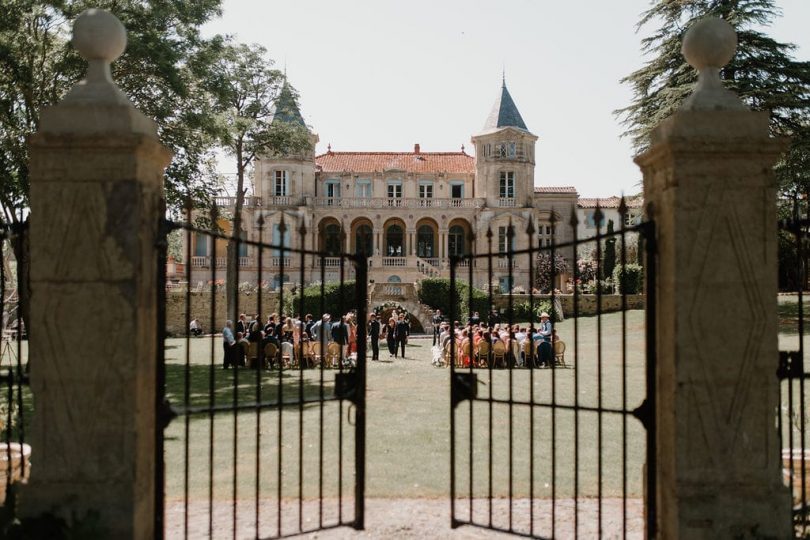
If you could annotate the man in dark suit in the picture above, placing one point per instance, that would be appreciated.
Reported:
(242, 325)
(374, 334)
(402, 331)
(437, 323)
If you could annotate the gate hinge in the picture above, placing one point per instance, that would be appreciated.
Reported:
(463, 386)
(166, 413)
(346, 384)
(790, 365)
(644, 413)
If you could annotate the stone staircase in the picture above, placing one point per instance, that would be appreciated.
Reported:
(429, 267)
(404, 295)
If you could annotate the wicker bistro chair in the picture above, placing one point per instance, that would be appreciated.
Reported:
(287, 354)
(333, 354)
(446, 355)
(482, 354)
(308, 353)
(499, 354)
(253, 355)
(528, 351)
(315, 351)
(559, 353)
(270, 354)
(465, 356)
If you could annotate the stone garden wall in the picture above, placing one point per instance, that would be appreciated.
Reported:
(176, 322)
(587, 303)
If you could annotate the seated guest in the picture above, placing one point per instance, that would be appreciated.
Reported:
(241, 347)
(195, 328)
(255, 334)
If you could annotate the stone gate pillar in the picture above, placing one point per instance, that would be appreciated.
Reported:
(709, 182)
(96, 196)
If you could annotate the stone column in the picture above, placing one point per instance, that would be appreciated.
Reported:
(709, 181)
(96, 197)
(442, 251)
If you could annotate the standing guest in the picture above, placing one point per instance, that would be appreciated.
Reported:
(195, 328)
(374, 333)
(545, 331)
(546, 327)
(437, 323)
(475, 319)
(322, 330)
(352, 327)
(402, 331)
(241, 324)
(340, 335)
(228, 345)
(391, 337)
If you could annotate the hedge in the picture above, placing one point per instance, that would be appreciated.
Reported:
(435, 293)
(336, 299)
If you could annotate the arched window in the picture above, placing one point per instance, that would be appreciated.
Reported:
(424, 242)
(394, 246)
(331, 240)
(456, 241)
(363, 240)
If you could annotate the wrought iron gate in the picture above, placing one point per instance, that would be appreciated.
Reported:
(567, 451)
(792, 426)
(274, 444)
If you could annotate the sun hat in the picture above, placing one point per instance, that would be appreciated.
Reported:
(544, 314)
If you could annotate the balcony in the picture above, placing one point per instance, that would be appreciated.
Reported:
(395, 202)
(394, 261)
(507, 203)
(230, 202)
(503, 262)
(220, 262)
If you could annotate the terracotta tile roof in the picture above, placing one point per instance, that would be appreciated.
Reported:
(555, 189)
(423, 162)
(610, 202)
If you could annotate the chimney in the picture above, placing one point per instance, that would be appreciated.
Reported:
(416, 148)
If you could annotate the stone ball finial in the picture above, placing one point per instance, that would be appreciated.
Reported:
(99, 35)
(710, 42)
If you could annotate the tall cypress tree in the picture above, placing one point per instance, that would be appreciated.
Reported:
(763, 73)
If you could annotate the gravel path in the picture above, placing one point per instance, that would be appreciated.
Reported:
(410, 519)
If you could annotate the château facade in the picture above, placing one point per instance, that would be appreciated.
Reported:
(407, 211)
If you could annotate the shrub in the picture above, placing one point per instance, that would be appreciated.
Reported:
(336, 299)
(435, 293)
(521, 311)
(629, 279)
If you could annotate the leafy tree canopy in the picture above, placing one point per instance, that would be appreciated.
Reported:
(763, 73)
(169, 71)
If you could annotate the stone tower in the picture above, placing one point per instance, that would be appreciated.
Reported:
(504, 153)
(284, 180)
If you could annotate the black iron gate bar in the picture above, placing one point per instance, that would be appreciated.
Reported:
(464, 383)
(791, 371)
(15, 377)
(349, 384)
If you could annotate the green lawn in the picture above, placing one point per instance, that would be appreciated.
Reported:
(408, 445)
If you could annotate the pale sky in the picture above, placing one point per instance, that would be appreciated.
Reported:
(381, 75)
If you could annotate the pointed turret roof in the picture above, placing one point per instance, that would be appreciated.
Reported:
(286, 107)
(504, 113)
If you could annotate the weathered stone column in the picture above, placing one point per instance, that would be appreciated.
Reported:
(96, 192)
(709, 181)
